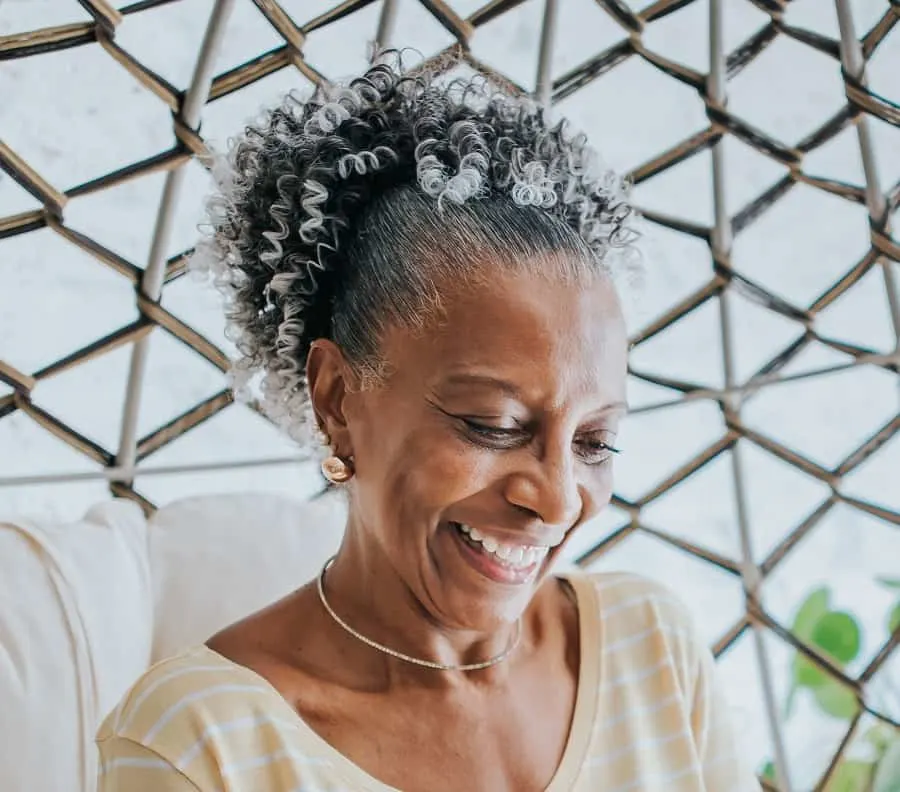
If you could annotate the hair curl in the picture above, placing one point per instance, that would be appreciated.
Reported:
(336, 215)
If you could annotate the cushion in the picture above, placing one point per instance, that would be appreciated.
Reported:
(75, 632)
(217, 559)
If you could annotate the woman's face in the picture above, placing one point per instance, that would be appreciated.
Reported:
(489, 443)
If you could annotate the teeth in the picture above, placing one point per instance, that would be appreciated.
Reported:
(512, 554)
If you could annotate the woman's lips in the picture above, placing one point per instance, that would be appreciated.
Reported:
(490, 565)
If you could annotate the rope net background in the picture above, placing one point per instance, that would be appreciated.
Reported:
(763, 140)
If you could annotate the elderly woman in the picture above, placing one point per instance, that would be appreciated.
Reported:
(424, 274)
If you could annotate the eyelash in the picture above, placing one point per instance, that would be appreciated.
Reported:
(506, 439)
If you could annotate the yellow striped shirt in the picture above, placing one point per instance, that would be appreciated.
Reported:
(647, 715)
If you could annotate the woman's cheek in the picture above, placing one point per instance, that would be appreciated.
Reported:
(597, 492)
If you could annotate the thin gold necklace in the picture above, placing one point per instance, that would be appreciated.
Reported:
(414, 660)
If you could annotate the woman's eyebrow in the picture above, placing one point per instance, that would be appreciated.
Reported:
(511, 390)
(616, 406)
(484, 381)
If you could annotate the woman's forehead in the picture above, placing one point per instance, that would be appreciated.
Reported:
(524, 334)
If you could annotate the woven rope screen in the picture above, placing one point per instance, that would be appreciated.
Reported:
(762, 451)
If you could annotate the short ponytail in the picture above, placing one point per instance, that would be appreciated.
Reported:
(341, 214)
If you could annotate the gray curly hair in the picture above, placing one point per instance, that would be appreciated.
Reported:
(349, 212)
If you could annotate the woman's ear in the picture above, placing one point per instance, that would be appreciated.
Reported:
(327, 375)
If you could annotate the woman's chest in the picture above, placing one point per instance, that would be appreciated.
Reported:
(513, 742)
(465, 757)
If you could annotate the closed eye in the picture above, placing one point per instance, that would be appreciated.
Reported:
(596, 452)
(591, 451)
(495, 436)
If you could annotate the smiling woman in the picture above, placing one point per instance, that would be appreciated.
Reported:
(424, 274)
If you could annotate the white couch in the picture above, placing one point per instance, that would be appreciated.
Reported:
(86, 608)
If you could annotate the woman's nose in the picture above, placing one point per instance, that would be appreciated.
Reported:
(549, 489)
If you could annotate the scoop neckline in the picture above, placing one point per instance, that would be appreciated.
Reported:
(583, 714)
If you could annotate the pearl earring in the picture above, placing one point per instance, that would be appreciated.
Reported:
(337, 470)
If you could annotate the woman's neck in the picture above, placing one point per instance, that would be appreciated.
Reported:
(368, 594)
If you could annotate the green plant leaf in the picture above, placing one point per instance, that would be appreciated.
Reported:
(880, 736)
(807, 673)
(893, 583)
(887, 773)
(833, 697)
(813, 608)
(768, 771)
(851, 775)
(894, 619)
(836, 699)
(837, 633)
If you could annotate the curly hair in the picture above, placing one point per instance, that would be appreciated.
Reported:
(351, 211)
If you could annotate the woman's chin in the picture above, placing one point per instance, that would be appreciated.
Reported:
(480, 593)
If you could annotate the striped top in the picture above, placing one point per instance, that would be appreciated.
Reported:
(647, 715)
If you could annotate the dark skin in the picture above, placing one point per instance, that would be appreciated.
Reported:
(500, 417)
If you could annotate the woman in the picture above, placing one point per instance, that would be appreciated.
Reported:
(424, 275)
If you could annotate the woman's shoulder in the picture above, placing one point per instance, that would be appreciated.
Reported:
(178, 699)
(628, 596)
(633, 595)
(638, 613)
